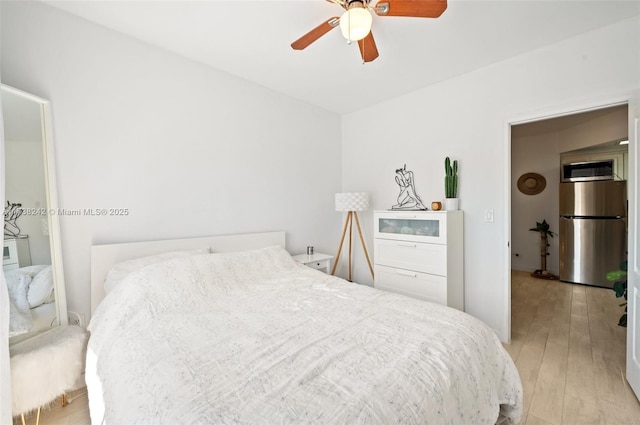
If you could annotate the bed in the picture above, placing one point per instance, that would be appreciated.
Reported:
(31, 300)
(246, 335)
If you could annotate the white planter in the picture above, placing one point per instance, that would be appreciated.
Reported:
(451, 204)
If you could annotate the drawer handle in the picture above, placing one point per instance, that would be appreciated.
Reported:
(406, 273)
(407, 245)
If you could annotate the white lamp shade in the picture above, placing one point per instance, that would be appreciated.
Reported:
(355, 24)
(352, 201)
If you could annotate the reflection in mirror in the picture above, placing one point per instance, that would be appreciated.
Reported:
(31, 259)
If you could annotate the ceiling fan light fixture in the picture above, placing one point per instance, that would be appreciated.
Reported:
(355, 23)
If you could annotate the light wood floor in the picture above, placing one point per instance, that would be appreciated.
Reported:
(570, 353)
(74, 413)
(567, 346)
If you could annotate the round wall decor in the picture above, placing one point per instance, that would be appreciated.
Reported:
(531, 183)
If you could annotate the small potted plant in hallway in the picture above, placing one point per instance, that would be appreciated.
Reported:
(545, 234)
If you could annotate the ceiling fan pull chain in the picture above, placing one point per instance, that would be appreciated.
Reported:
(349, 24)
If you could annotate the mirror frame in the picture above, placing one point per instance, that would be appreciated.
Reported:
(55, 244)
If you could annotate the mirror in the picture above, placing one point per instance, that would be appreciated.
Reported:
(32, 252)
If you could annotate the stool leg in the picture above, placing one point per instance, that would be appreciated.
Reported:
(38, 417)
(63, 400)
(23, 421)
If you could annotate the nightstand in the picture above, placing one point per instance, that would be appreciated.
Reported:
(316, 261)
(15, 253)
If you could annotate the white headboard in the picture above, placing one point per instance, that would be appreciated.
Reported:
(103, 257)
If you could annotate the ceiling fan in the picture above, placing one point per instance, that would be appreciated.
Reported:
(355, 22)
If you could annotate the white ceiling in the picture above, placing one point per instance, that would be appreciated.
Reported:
(251, 39)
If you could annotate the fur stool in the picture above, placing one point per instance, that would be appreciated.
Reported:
(45, 367)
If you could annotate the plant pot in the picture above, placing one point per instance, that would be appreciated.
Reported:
(451, 204)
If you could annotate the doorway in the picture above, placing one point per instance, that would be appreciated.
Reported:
(538, 148)
(565, 339)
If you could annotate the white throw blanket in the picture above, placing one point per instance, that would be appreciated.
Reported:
(255, 338)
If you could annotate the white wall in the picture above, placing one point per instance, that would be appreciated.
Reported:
(467, 119)
(25, 184)
(188, 150)
(534, 154)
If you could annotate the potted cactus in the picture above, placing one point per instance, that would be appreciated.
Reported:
(451, 201)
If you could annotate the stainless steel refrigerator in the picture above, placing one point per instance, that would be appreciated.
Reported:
(593, 230)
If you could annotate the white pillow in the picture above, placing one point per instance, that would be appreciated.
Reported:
(41, 288)
(121, 270)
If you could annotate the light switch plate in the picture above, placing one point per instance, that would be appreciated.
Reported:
(488, 216)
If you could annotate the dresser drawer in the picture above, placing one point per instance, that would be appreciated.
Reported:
(412, 226)
(415, 256)
(414, 284)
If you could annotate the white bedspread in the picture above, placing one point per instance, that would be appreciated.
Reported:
(20, 320)
(255, 338)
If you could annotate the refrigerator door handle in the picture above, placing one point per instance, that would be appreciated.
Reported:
(590, 217)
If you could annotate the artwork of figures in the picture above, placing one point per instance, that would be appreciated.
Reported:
(408, 199)
(11, 214)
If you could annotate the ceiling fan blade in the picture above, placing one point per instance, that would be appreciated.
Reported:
(304, 41)
(342, 3)
(413, 8)
(368, 49)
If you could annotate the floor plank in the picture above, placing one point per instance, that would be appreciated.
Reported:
(76, 412)
(570, 353)
(548, 396)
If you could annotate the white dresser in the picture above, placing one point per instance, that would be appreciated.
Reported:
(420, 254)
(15, 253)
